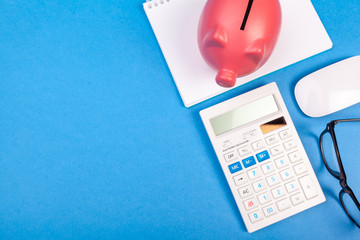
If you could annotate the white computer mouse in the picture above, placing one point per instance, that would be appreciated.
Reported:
(330, 89)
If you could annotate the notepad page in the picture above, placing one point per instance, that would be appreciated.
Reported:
(175, 23)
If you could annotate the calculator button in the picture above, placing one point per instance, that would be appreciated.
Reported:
(297, 198)
(245, 191)
(254, 173)
(264, 198)
(268, 167)
(240, 179)
(285, 134)
(308, 187)
(273, 180)
(248, 162)
(269, 210)
(294, 156)
(231, 156)
(283, 204)
(259, 186)
(272, 139)
(276, 150)
(290, 145)
(292, 186)
(262, 156)
(258, 145)
(287, 174)
(281, 162)
(255, 216)
(278, 192)
(250, 203)
(300, 168)
(235, 167)
(244, 150)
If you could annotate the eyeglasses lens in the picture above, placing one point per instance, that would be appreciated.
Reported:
(329, 153)
(348, 141)
(351, 208)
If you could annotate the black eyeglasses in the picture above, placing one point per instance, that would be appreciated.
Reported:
(331, 157)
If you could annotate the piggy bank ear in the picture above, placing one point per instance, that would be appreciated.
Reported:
(256, 51)
(216, 37)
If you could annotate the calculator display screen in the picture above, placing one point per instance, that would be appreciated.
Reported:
(244, 114)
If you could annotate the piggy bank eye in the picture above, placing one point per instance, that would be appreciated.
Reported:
(246, 15)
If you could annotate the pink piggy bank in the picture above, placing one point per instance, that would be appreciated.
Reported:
(236, 37)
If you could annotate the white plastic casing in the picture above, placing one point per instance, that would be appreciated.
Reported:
(236, 145)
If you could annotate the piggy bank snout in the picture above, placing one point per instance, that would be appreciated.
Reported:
(226, 78)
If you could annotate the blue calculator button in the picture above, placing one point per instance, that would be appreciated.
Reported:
(263, 156)
(248, 162)
(235, 167)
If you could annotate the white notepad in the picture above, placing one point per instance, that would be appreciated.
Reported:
(175, 23)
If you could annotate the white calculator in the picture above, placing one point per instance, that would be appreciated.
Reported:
(262, 157)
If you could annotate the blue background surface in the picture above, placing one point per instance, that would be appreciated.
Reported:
(95, 142)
